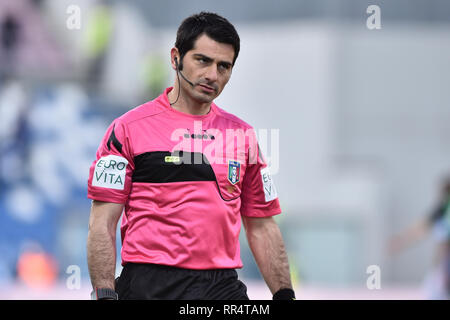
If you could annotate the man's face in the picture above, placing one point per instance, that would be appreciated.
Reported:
(208, 66)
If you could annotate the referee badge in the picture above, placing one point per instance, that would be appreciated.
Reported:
(234, 171)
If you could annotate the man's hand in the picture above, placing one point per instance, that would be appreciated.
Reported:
(101, 243)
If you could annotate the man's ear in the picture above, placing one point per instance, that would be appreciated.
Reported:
(175, 58)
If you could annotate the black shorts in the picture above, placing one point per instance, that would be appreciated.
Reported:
(158, 282)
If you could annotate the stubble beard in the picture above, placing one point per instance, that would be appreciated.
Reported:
(199, 97)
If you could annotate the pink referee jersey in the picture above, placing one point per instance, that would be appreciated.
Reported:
(185, 181)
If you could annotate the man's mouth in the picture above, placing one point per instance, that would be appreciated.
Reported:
(207, 88)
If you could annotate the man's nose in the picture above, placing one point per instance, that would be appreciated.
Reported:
(211, 73)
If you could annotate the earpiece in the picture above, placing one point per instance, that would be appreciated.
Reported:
(179, 67)
(182, 75)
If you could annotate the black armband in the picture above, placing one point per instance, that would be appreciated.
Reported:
(284, 294)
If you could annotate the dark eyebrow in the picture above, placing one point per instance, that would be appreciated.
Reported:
(199, 55)
(208, 59)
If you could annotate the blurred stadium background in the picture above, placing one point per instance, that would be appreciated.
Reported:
(363, 118)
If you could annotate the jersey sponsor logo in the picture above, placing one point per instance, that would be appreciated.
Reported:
(110, 172)
(203, 136)
(234, 171)
(172, 159)
(270, 192)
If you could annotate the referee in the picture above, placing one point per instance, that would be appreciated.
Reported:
(184, 185)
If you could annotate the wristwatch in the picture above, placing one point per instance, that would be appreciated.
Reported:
(284, 294)
(104, 294)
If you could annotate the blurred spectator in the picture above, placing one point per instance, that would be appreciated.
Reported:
(10, 34)
(27, 47)
(13, 131)
(437, 223)
(36, 268)
(155, 75)
(97, 40)
(10, 30)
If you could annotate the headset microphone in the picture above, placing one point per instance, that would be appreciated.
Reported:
(182, 75)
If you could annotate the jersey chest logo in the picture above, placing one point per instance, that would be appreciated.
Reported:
(234, 171)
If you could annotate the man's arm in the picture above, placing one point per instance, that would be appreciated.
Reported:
(412, 234)
(101, 243)
(266, 243)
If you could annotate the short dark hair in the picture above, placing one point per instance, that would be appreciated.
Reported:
(214, 26)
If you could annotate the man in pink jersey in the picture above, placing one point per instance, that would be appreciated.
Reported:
(185, 173)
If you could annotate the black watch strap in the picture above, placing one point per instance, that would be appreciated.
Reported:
(104, 294)
(284, 294)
